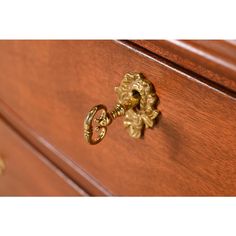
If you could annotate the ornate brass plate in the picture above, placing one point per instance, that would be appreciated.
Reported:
(137, 102)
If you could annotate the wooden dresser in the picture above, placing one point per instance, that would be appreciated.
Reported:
(48, 87)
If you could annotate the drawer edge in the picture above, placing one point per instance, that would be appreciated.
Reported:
(53, 156)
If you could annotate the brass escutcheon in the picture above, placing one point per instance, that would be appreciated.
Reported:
(137, 102)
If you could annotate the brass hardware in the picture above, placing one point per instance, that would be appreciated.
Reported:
(2, 165)
(136, 102)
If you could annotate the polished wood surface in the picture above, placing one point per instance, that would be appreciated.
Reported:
(51, 85)
(27, 173)
(59, 158)
(213, 59)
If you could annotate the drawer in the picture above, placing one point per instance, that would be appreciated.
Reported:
(191, 151)
(23, 171)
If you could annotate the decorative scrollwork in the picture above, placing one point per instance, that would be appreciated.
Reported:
(101, 124)
(145, 113)
(136, 102)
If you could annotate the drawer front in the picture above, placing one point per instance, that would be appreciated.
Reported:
(191, 151)
(23, 171)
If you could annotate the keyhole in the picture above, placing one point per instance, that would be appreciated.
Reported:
(136, 95)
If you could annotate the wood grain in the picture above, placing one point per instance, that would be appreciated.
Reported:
(58, 158)
(191, 151)
(213, 59)
(28, 173)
